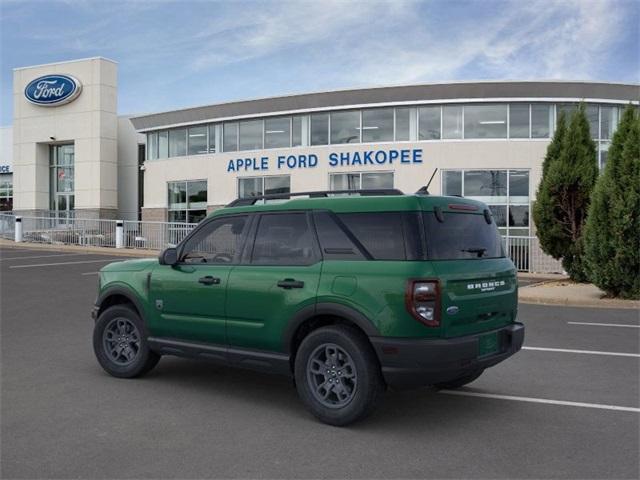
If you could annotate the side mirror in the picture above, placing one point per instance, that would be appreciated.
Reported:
(168, 256)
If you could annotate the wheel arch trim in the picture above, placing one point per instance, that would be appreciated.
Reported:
(122, 291)
(329, 309)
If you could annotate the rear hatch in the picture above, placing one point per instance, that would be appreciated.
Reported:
(478, 284)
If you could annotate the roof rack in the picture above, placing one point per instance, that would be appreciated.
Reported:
(241, 202)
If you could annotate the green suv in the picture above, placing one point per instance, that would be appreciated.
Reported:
(345, 294)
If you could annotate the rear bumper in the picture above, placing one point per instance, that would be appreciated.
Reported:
(408, 363)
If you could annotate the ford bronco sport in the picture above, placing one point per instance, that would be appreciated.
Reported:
(346, 294)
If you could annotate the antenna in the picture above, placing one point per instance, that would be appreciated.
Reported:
(425, 190)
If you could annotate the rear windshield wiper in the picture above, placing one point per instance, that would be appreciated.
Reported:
(479, 251)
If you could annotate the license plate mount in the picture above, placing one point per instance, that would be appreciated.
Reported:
(488, 344)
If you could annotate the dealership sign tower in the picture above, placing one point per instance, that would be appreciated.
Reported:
(65, 138)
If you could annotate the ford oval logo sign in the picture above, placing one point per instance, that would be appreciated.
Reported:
(53, 90)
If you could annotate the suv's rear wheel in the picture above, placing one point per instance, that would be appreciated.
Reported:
(337, 375)
(120, 343)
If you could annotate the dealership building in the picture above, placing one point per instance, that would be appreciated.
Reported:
(70, 152)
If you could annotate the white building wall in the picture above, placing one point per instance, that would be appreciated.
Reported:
(90, 122)
(465, 154)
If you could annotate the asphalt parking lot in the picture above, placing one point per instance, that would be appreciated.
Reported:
(567, 406)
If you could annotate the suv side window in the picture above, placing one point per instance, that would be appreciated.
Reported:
(217, 242)
(334, 241)
(284, 239)
(386, 235)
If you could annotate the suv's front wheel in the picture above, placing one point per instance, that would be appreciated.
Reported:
(337, 375)
(120, 343)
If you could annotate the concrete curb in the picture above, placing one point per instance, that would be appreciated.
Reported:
(118, 252)
(529, 295)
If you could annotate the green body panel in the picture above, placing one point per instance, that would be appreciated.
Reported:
(488, 305)
(248, 309)
(258, 311)
(189, 309)
(378, 293)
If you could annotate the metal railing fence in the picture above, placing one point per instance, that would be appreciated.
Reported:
(525, 252)
(69, 231)
(527, 255)
(7, 226)
(154, 235)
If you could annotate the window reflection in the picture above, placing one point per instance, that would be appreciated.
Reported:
(485, 121)
(429, 123)
(377, 125)
(345, 127)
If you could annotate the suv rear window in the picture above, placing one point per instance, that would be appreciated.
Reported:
(461, 236)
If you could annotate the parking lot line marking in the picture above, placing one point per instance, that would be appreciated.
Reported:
(589, 352)
(604, 324)
(90, 273)
(541, 400)
(41, 256)
(65, 263)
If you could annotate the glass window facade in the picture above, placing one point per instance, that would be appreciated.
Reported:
(257, 186)
(197, 140)
(541, 120)
(61, 179)
(187, 201)
(212, 138)
(485, 121)
(178, 142)
(429, 123)
(377, 125)
(403, 124)
(152, 146)
(6, 192)
(277, 132)
(360, 180)
(319, 129)
(608, 122)
(505, 191)
(296, 131)
(345, 127)
(371, 125)
(452, 121)
(163, 144)
(230, 137)
(452, 182)
(519, 120)
(251, 135)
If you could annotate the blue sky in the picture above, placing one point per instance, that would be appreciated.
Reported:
(174, 54)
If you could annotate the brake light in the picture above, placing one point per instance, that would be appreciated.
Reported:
(463, 206)
(422, 300)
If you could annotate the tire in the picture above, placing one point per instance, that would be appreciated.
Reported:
(337, 375)
(131, 358)
(459, 382)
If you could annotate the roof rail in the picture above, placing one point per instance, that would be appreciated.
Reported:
(241, 202)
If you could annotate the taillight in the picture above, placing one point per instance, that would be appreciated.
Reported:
(423, 301)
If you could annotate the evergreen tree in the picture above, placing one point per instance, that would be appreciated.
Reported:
(612, 233)
(563, 197)
(543, 211)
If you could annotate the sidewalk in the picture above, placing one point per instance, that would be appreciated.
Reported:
(565, 292)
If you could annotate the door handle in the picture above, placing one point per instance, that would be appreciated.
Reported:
(209, 280)
(289, 283)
